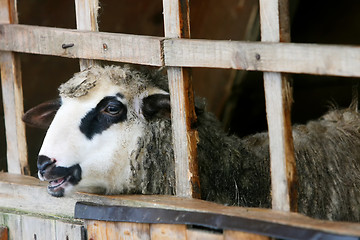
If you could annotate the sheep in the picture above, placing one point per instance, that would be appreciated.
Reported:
(110, 133)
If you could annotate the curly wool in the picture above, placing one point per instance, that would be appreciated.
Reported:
(236, 171)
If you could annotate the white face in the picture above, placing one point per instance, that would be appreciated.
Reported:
(92, 141)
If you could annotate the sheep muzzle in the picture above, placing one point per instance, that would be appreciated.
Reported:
(58, 177)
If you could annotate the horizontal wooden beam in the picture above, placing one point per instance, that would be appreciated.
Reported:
(90, 211)
(318, 59)
(17, 192)
(81, 44)
(263, 56)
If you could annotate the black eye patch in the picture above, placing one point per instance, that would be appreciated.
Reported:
(107, 112)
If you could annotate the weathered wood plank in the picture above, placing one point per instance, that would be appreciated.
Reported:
(4, 233)
(278, 96)
(90, 211)
(11, 85)
(316, 59)
(14, 223)
(168, 231)
(69, 231)
(24, 226)
(193, 234)
(100, 230)
(236, 235)
(86, 19)
(183, 117)
(90, 45)
(264, 56)
(37, 228)
(18, 191)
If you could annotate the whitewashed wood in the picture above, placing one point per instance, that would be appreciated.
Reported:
(11, 86)
(14, 223)
(177, 25)
(37, 228)
(25, 226)
(90, 45)
(86, 19)
(68, 231)
(278, 103)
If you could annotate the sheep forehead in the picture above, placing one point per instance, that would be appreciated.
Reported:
(84, 81)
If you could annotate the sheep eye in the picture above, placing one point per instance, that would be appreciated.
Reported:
(113, 109)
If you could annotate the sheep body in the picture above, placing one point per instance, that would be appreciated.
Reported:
(327, 158)
(232, 171)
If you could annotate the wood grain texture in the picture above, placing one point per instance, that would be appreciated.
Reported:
(18, 191)
(100, 230)
(278, 95)
(264, 56)
(236, 235)
(183, 117)
(194, 234)
(168, 231)
(86, 19)
(89, 45)
(11, 85)
(319, 59)
(25, 226)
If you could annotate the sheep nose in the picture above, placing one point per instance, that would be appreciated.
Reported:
(44, 162)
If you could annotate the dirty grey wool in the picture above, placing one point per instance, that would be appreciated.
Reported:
(236, 171)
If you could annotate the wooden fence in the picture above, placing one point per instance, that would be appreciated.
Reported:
(274, 55)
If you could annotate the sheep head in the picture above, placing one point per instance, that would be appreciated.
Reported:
(95, 141)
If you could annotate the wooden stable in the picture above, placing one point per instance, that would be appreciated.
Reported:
(28, 212)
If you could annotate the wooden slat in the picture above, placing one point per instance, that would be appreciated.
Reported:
(17, 192)
(253, 56)
(236, 235)
(86, 19)
(264, 56)
(278, 95)
(37, 228)
(194, 234)
(252, 227)
(13, 99)
(99, 230)
(14, 223)
(89, 45)
(183, 117)
(26, 226)
(168, 231)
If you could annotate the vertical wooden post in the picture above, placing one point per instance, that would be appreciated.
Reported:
(86, 19)
(177, 25)
(275, 27)
(11, 85)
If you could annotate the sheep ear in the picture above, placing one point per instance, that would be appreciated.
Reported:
(156, 106)
(42, 115)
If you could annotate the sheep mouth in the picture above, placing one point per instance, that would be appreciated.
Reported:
(61, 178)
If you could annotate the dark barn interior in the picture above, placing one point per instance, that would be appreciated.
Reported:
(236, 97)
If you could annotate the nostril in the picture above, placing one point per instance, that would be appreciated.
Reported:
(43, 162)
